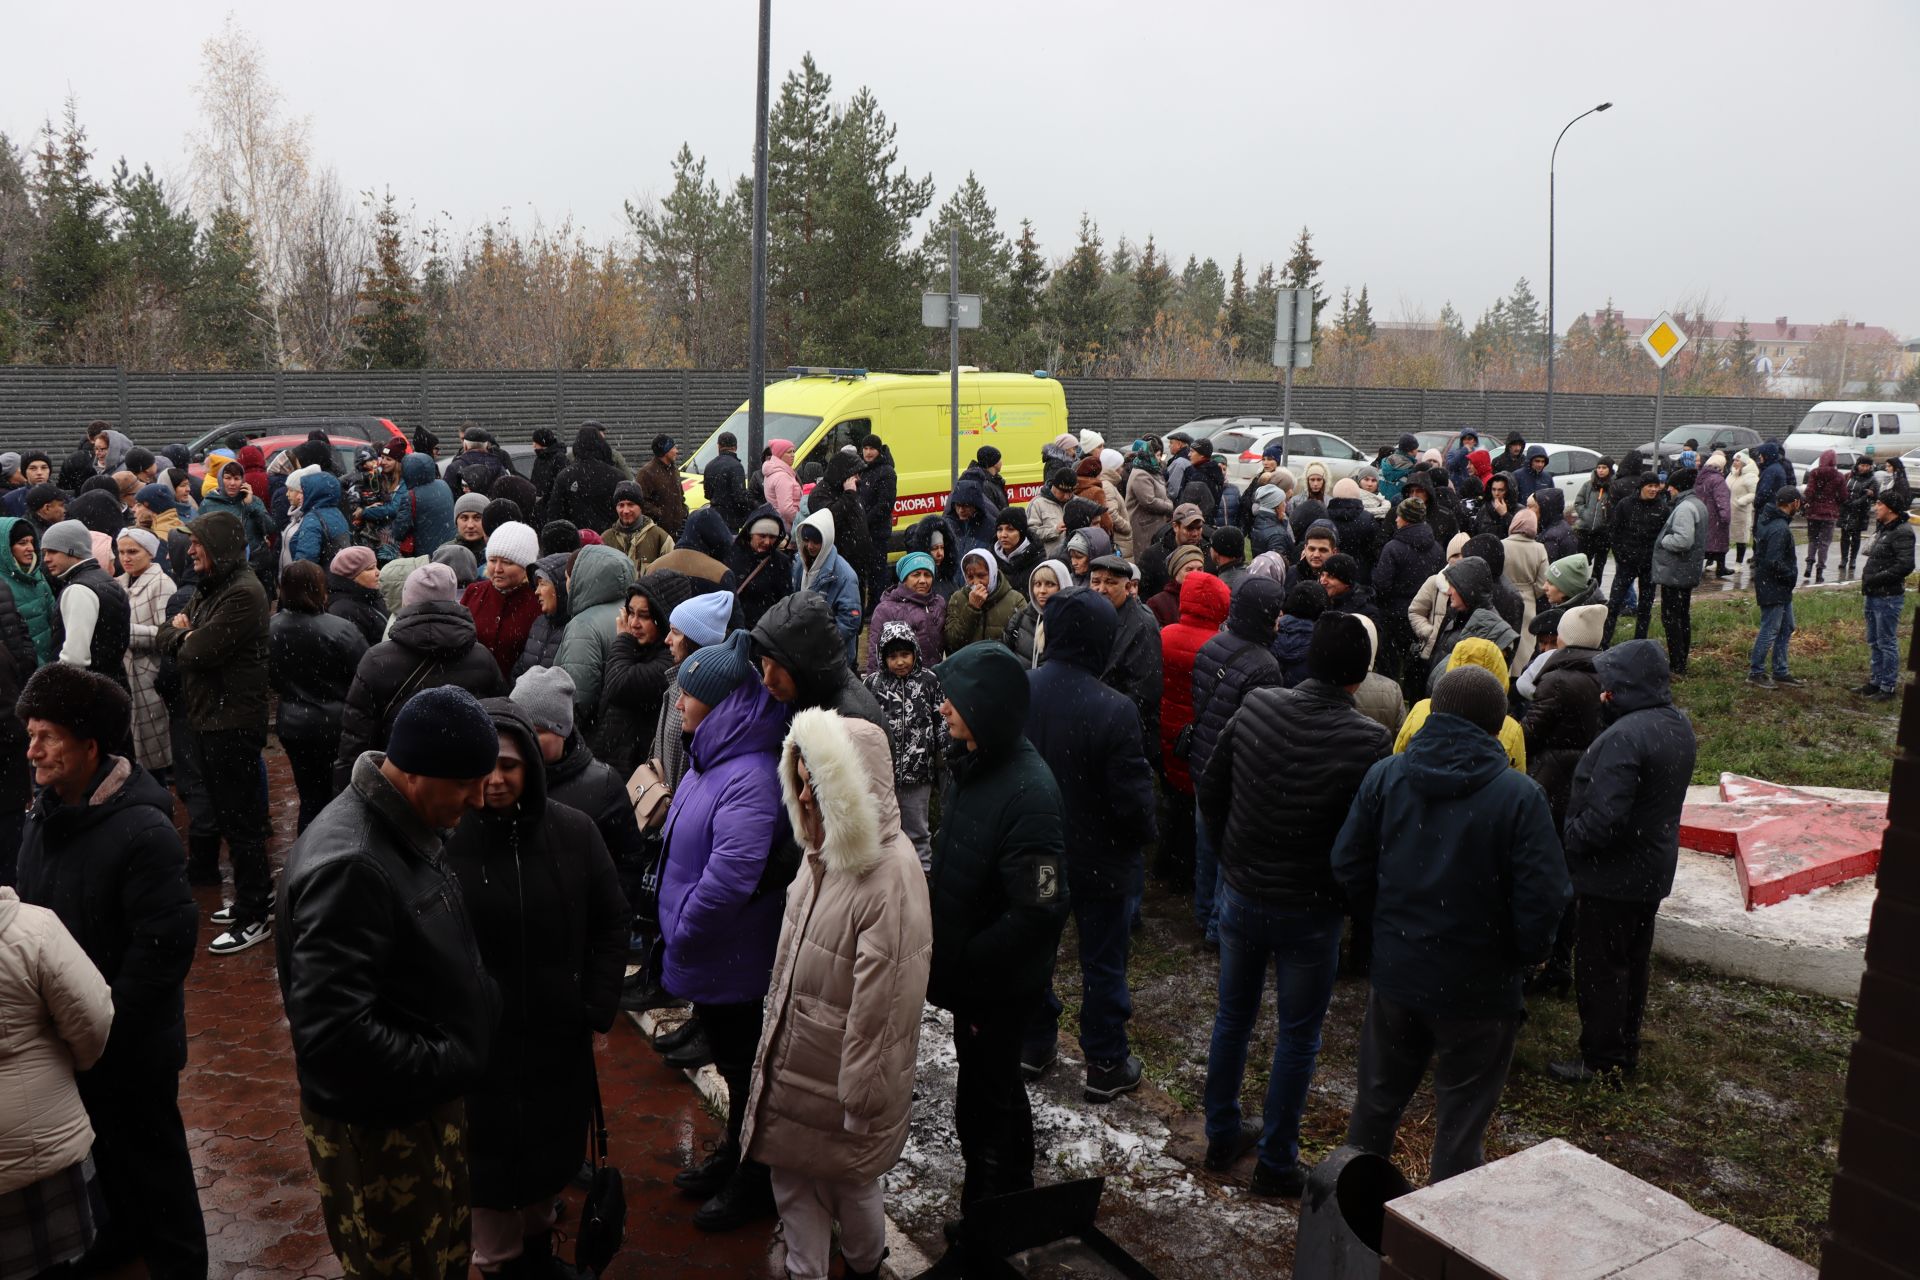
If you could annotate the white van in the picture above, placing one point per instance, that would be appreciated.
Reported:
(1850, 428)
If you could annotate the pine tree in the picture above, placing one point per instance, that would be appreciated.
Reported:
(986, 264)
(1739, 353)
(19, 238)
(75, 256)
(1078, 320)
(156, 237)
(1152, 283)
(225, 312)
(389, 330)
(798, 133)
(1363, 317)
(1015, 340)
(1234, 326)
(1123, 261)
(1203, 292)
(691, 262)
(1261, 308)
(865, 300)
(1451, 325)
(1301, 270)
(1523, 323)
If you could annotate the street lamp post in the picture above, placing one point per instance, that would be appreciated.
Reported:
(757, 286)
(1551, 161)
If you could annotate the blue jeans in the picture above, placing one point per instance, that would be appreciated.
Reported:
(1883, 639)
(1105, 1002)
(1206, 879)
(1776, 629)
(1304, 948)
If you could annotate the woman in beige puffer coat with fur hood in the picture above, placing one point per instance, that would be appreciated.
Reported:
(833, 1076)
(55, 1011)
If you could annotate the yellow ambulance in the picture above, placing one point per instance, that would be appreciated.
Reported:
(821, 409)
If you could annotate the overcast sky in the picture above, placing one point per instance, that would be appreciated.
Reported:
(1761, 153)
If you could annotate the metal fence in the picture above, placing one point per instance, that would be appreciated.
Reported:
(48, 407)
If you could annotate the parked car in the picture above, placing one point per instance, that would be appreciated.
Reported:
(361, 430)
(1570, 465)
(1242, 448)
(344, 447)
(1208, 427)
(1660, 454)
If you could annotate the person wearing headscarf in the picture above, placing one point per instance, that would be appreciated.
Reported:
(144, 579)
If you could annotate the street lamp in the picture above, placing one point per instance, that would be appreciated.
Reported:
(1550, 332)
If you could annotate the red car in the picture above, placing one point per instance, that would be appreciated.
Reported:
(344, 447)
(275, 434)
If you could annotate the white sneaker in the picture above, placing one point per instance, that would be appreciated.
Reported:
(240, 939)
(225, 914)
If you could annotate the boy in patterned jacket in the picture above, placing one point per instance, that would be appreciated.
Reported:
(910, 695)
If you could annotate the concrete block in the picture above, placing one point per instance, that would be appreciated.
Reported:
(1554, 1212)
(1695, 1260)
(1813, 942)
(1551, 1211)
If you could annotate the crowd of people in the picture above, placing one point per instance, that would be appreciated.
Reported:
(563, 746)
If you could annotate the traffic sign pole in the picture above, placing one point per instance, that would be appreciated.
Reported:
(1659, 408)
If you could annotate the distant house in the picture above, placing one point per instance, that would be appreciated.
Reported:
(1777, 345)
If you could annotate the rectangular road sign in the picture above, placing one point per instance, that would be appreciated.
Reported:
(933, 310)
(1293, 329)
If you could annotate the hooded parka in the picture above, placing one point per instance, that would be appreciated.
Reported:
(432, 643)
(833, 1076)
(551, 925)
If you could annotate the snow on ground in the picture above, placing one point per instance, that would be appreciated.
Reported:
(1180, 1222)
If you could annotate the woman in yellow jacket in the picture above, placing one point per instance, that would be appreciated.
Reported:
(1480, 653)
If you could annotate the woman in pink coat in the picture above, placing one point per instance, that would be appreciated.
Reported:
(781, 485)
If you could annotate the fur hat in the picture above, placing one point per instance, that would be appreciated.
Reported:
(499, 511)
(84, 703)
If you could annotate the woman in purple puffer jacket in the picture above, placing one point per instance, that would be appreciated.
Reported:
(721, 900)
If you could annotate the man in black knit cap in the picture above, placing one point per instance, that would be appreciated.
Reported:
(390, 1008)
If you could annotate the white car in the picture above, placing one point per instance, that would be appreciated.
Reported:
(1570, 465)
(1241, 448)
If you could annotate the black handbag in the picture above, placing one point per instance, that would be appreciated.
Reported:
(603, 1218)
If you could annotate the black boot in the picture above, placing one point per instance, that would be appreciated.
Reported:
(690, 1054)
(668, 1041)
(707, 1178)
(873, 1274)
(747, 1197)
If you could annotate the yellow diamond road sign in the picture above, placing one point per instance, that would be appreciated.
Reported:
(1662, 340)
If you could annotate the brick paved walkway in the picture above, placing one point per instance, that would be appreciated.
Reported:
(242, 1112)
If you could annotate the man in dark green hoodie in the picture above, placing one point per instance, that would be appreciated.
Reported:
(999, 898)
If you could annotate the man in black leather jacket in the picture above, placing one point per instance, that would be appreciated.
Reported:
(390, 1008)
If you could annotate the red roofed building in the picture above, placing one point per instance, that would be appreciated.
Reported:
(1777, 341)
